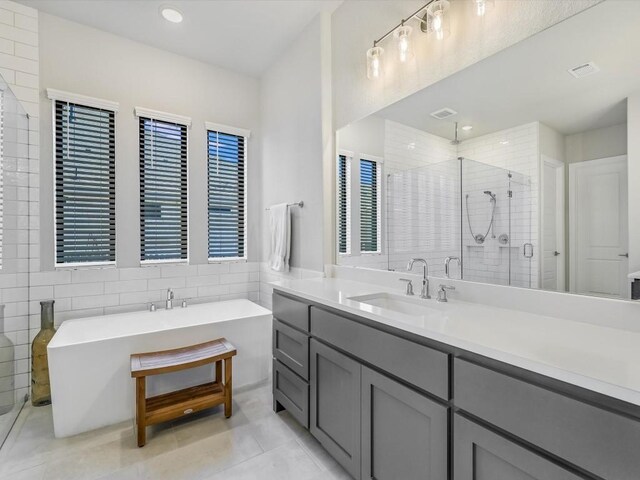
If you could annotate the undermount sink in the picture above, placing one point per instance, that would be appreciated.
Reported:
(404, 304)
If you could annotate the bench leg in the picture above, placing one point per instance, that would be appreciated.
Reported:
(141, 404)
(219, 372)
(227, 387)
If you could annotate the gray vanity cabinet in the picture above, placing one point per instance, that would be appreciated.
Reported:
(480, 454)
(404, 433)
(335, 405)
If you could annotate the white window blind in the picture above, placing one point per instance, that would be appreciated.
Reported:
(226, 195)
(84, 184)
(163, 190)
(343, 190)
(369, 206)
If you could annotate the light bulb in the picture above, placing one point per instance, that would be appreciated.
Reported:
(374, 62)
(437, 25)
(402, 35)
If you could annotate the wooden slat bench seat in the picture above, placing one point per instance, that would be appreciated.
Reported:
(168, 406)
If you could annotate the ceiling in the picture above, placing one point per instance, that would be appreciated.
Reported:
(530, 82)
(241, 35)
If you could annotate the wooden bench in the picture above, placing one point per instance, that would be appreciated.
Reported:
(168, 406)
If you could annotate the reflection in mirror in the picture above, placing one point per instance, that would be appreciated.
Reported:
(513, 171)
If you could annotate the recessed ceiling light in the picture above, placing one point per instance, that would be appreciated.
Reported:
(466, 128)
(171, 14)
(504, 142)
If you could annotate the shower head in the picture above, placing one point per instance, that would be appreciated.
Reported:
(492, 195)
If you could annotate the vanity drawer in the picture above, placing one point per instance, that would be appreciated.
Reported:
(596, 440)
(291, 347)
(291, 311)
(291, 392)
(417, 364)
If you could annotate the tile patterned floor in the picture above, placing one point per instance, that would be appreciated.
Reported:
(255, 443)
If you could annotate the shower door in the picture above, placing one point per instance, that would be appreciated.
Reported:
(523, 251)
(485, 222)
(15, 197)
(497, 222)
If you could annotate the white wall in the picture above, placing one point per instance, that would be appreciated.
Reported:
(597, 143)
(293, 142)
(366, 136)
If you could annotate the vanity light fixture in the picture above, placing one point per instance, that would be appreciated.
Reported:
(433, 18)
(171, 14)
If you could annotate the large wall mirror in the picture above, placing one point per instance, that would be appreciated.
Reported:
(514, 171)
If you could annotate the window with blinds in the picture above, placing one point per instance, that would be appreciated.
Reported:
(343, 183)
(85, 196)
(226, 195)
(369, 206)
(163, 191)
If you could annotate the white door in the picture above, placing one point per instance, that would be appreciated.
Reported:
(599, 228)
(553, 255)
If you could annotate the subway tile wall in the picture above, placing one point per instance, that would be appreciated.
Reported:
(489, 160)
(20, 156)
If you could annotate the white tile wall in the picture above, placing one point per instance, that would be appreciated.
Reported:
(488, 161)
(19, 68)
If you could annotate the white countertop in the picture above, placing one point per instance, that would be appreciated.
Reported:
(598, 358)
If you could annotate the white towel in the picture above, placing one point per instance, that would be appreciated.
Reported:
(280, 228)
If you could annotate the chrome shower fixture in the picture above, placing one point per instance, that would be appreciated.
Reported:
(478, 237)
(455, 140)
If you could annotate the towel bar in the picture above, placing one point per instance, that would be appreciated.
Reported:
(296, 204)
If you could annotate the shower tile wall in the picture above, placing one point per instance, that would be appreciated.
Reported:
(19, 69)
(515, 150)
(418, 200)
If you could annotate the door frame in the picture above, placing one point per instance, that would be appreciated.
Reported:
(573, 169)
(560, 221)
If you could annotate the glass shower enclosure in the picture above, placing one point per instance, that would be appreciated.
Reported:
(16, 198)
(478, 212)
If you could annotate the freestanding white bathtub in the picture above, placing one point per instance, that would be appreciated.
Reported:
(89, 364)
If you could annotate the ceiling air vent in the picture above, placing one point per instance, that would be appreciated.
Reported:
(584, 70)
(443, 113)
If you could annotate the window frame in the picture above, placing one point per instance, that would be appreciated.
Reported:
(85, 101)
(349, 157)
(142, 112)
(240, 132)
(379, 162)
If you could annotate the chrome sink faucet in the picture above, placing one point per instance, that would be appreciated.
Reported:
(169, 303)
(424, 293)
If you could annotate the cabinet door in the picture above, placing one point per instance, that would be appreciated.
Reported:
(335, 405)
(480, 454)
(404, 434)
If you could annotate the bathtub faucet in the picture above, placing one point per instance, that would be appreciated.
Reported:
(169, 304)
